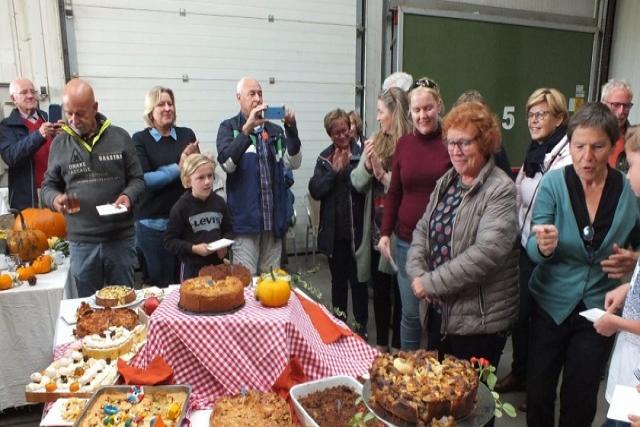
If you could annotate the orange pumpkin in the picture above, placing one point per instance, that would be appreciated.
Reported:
(27, 244)
(42, 264)
(5, 282)
(49, 222)
(273, 291)
(25, 272)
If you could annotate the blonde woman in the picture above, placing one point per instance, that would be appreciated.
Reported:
(420, 159)
(547, 118)
(372, 177)
(160, 146)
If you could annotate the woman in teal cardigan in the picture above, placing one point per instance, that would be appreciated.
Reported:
(584, 215)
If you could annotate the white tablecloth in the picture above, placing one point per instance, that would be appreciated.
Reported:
(28, 317)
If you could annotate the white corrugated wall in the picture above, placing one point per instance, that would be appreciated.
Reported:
(124, 48)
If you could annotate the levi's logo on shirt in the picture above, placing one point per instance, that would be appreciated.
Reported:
(205, 221)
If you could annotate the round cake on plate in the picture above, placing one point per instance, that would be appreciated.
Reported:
(416, 387)
(203, 294)
(221, 271)
(112, 296)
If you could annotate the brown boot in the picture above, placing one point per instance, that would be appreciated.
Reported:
(510, 383)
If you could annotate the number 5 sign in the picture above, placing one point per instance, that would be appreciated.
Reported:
(508, 117)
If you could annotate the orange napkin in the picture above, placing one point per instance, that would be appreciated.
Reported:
(329, 330)
(159, 422)
(290, 376)
(157, 372)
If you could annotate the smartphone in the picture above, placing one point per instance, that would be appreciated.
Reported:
(55, 113)
(275, 112)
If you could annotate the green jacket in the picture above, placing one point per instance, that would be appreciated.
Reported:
(362, 181)
(560, 282)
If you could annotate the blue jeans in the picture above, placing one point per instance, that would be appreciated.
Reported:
(94, 265)
(159, 264)
(410, 328)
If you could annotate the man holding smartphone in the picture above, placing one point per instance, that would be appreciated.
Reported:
(25, 139)
(255, 153)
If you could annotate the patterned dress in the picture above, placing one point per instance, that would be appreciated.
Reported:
(626, 354)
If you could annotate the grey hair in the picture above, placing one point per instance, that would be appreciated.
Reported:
(13, 86)
(398, 79)
(615, 84)
(241, 83)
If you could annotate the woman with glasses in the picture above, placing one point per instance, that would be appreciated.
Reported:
(372, 177)
(341, 210)
(584, 215)
(419, 160)
(463, 256)
(547, 119)
(160, 147)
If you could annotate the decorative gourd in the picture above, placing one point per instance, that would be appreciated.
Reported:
(6, 282)
(27, 244)
(273, 291)
(49, 222)
(42, 264)
(26, 272)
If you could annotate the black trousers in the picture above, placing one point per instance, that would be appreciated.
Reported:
(387, 306)
(520, 337)
(342, 265)
(576, 349)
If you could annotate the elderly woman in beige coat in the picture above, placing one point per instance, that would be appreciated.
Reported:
(463, 259)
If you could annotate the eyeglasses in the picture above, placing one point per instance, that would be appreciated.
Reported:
(27, 92)
(463, 144)
(626, 106)
(425, 82)
(538, 115)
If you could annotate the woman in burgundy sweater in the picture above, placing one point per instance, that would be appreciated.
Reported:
(419, 160)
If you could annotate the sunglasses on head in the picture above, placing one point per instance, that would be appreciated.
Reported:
(425, 82)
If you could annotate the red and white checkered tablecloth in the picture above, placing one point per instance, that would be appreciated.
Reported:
(218, 355)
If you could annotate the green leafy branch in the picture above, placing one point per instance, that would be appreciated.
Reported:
(487, 374)
(360, 418)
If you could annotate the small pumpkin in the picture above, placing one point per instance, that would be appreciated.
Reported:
(42, 264)
(273, 291)
(27, 244)
(26, 272)
(49, 222)
(6, 282)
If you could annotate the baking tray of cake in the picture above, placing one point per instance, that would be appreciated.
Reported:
(305, 389)
(124, 392)
(481, 414)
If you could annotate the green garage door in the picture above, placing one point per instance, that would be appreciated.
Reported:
(504, 62)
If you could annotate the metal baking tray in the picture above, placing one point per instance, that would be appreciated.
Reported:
(178, 388)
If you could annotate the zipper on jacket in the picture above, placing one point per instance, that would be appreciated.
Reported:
(353, 233)
(481, 303)
(445, 317)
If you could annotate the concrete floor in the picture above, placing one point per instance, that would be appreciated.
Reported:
(318, 276)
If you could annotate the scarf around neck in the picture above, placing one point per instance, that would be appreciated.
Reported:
(534, 160)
